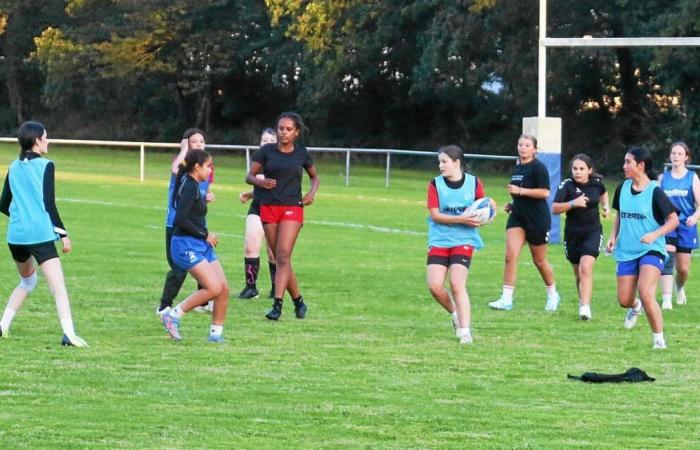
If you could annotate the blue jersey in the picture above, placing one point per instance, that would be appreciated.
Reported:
(680, 192)
(453, 202)
(30, 222)
(170, 213)
(637, 219)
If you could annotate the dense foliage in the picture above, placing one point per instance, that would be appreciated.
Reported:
(379, 73)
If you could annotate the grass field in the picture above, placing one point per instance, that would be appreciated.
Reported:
(374, 365)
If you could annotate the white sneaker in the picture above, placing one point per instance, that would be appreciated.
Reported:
(681, 299)
(552, 302)
(205, 309)
(160, 312)
(501, 304)
(584, 312)
(667, 304)
(659, 344)
(631, 317)
(465, 336)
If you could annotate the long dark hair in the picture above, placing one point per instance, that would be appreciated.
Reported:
(588, 162)
(642, 155)
(296, 118)
(27, 134)
(192, 131)
(192, 158)
(455, 153)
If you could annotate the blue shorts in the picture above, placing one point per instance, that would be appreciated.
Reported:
(188, 251)
(686, 237)
(632, 267)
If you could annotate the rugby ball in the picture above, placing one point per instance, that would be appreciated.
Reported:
(482, 210)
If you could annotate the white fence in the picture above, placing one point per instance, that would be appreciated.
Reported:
(142, 146)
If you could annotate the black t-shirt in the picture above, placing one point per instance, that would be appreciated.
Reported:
(190, 210)
(587, 218)
(287, 169)
(533, 213)
(661, 205)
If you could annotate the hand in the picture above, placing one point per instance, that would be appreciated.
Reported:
(606, 211)
(515, 190)
(308, 199)
(210, 197)
(610, 246)
(212, 239)
(470, 220)
(691, 220)
(67, 244)
(508, 207)
(245, 196)
(581, 201)
(648, 238)
(267, 183)
(184, 145)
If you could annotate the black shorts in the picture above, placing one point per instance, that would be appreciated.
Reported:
(254, 208)
(42, 252)
(532, 236)
(582, 243)
(447, 256)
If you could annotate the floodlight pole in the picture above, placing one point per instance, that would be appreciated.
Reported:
(542, 63)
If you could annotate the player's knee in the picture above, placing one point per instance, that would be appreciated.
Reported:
(28, 283)
(435, 288)
(669, 264)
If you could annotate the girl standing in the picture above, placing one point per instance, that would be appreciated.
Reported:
(28, 198)
(453, 236)
(529, 221)
(682, 187)
(579, 197)
(192, 248)
(281, 203)
(644, 216)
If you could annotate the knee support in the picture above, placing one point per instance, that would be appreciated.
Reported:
(28, 283)
(669, 264)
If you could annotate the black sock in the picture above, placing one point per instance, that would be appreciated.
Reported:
(252, 267)
(298, 299)
(273, 272)
(278, 300)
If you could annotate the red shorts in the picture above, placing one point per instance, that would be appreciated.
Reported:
(461, 254)
(278, 213)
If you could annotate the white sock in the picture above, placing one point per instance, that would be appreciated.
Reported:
(507, 293)
(454, 314)
(551, 290)
(7, 317)
(680, 289)
(216, 330)
(658, 337)
(67, 325)
(666, 297)
(637, 305)
(177, 312)
(463, 332)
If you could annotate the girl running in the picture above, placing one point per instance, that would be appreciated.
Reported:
(644, 216)
(579, 197)
(453, 236)
(682, 187)
(28, 199)
(192, 248)
(192, 139)
(281, 203)
(529, 221)
(254, 235)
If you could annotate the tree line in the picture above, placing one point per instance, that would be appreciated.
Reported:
(377, 73)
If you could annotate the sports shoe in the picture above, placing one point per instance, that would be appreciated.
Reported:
(217, 339)
(160, 312)
(552, 302)
(276, 311)
(667, 304)
(249, 292)
(584, 312)
(501, 304)
(172, 325)
(659, 344)
(73, 341)
(465, 337)
(299, 308)
(631, 317)
(681, 298)
(205, 309)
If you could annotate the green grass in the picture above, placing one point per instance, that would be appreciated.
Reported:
(375, 364)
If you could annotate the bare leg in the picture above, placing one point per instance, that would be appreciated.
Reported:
(458, 285)
(578, 279)
(682, 268)
(648, 277)
(539, 257)
(212, 286)
(585, 279)
(19, 294)
(626, 288)
(254, 235)
(436, 283)
(515, 239)
(286, 235)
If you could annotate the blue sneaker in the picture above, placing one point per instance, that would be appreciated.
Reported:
(172, 325)
(501, 304)
(216, 339)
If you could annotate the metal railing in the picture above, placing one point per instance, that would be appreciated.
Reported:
(248, 148)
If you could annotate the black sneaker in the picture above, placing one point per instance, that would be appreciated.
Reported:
(276, 310)
(248, 292)
(300, 308)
